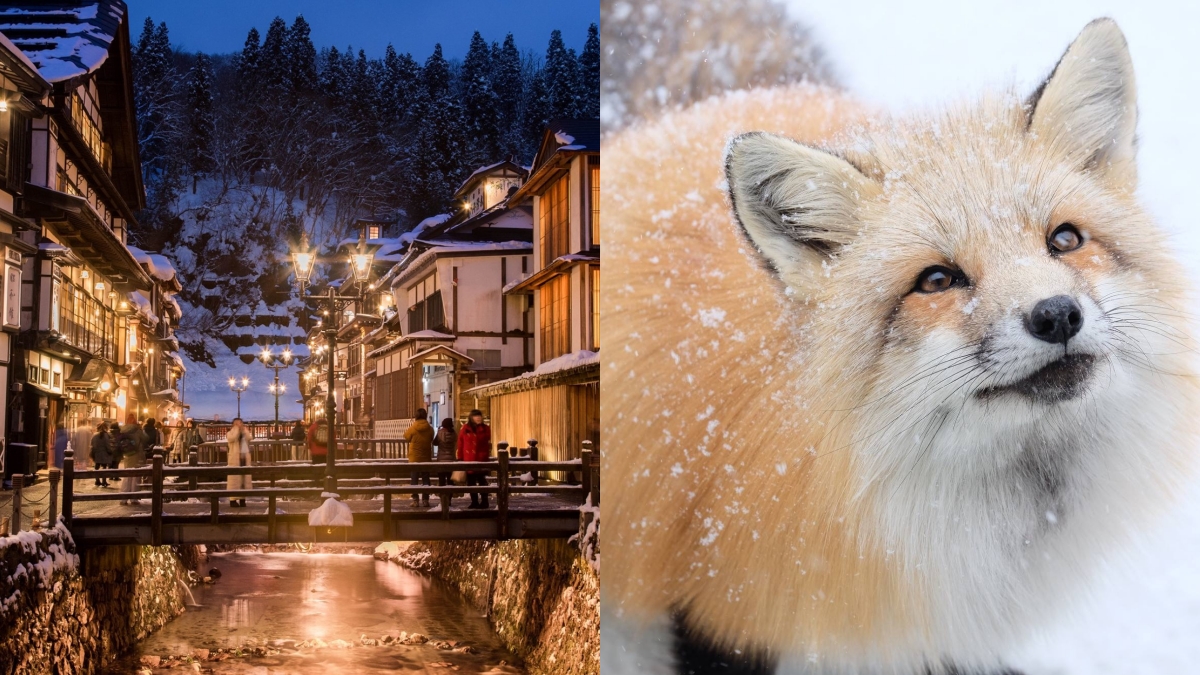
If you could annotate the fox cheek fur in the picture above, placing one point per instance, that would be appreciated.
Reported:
(948, 371)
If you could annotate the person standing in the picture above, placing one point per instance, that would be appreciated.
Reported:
(475, 445)
(81, 442)
(239, 455)
(185, 439)
(318, 441)
(447, 446)
(299, 437)
(102, 451)
(61, 439)
(420, 449)
(131, 451)
(153, 436)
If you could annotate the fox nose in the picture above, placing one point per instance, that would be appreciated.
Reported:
(1055, 320)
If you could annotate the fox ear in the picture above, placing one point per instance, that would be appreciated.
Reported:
(797, 205)
(1087, 108)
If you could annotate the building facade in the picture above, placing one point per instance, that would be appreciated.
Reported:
(88, 324)
(558, 403)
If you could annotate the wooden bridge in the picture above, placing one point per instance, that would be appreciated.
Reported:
(189, 504)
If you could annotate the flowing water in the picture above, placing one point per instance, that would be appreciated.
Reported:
(305, 614)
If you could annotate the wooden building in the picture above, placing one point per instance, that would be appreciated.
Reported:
(558, 403)
(74, 288)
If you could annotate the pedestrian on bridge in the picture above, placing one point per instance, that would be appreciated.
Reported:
(447, 447)
(318, 441)
(187, 438)
(239, 455)
(420, 449)
(299, 437)
(131, 448)
(102, 452)
(475, 445)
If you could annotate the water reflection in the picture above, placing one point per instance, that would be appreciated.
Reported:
(270, 599)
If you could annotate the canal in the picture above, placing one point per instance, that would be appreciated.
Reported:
(303, 614)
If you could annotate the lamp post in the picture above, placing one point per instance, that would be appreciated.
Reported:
(238, 387)
(276, 362)
(360, 266)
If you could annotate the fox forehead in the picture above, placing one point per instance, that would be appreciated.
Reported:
(972, 188)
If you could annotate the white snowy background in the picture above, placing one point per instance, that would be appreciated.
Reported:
(1144, 616)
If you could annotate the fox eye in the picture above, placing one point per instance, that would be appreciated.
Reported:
(1065, 238)
(938, 278)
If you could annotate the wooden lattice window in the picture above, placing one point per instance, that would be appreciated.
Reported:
(555, 225)
(556, 317)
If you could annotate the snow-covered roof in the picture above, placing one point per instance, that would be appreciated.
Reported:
(13, 49)
(410, 263)
(158, 265)
(567, 362)
(484, 169)
(144, 308)
(429, 223)
(429, 335)
(66, 39)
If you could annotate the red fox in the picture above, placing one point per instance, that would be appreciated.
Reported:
(882, 390)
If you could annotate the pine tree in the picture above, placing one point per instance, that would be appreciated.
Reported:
(435, 75)
(435, 161)
(560, 76)
(200, 118)
(509, 85)
(536, 112)
(589, 75)
(246, 64)
(332, 77)
(300, 58)
(480, 103)
(274, 60)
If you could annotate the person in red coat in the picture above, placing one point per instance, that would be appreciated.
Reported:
(475, 445)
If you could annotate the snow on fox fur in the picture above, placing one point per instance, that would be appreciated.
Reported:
(884, 389)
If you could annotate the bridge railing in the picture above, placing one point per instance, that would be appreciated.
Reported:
(364, 477)
(272, 451)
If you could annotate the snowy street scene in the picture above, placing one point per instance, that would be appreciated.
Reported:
(301, 301)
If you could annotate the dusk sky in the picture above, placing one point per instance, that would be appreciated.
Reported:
(220, 26)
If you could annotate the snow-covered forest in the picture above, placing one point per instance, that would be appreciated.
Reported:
(242, 153)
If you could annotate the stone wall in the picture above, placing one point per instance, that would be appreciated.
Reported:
(542, 596)
(70, 612)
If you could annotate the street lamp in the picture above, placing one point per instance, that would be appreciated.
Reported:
(238, 388)
(276, 362)
(360, 266)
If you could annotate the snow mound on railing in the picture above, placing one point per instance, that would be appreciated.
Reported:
(332, 513)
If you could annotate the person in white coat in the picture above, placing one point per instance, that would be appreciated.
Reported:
(239, 455)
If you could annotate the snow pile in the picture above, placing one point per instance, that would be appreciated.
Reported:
(43, 552)
(427, 224)
(577, 359)
(589, 546)
(139, 300)
(158, 265)
(332, 513)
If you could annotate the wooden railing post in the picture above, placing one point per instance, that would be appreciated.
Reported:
(68, 490)
(156, 497)
(55, 476)
(387, 509)
(271, 535)
(586, 484)
(18, 482)
(502, 493)
(533, 457)
(594, 478)
(193, 460)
